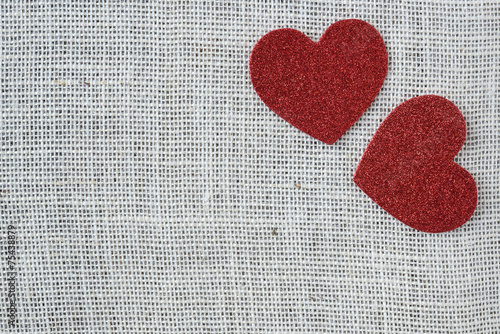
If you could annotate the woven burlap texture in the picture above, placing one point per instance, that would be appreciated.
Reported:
(151, 191)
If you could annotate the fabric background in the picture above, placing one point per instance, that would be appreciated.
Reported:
(153, 192)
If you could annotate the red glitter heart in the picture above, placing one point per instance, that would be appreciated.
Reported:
(320, 88)
(408, 166)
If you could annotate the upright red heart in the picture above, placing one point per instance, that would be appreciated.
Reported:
(320, 88)
(408, 166)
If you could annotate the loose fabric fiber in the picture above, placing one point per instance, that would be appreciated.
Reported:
(145, 188)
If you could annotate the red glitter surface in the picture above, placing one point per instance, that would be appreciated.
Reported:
(408, 166)
(320, 88)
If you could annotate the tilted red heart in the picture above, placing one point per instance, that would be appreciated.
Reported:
(408, 166)
(320, 88)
